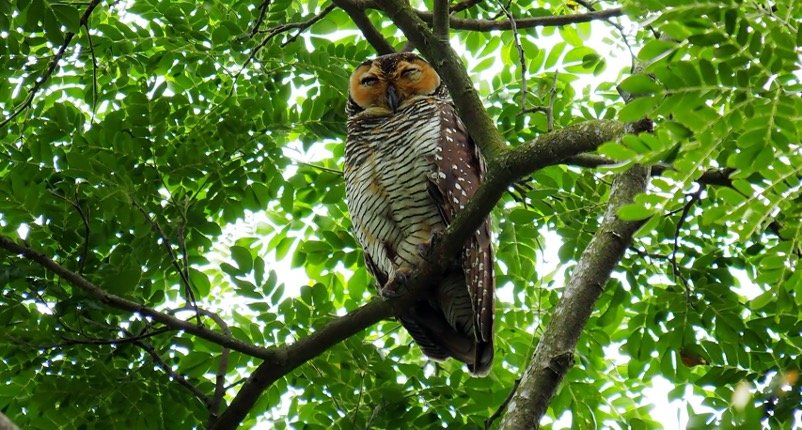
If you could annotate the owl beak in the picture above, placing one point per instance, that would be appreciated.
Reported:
(392, 98)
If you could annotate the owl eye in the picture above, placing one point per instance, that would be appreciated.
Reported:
(408, 73)
(369, 80)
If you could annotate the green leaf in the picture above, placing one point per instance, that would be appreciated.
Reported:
(638, 108)
(639, 85)
(67, 16)
(200, 281)
(616, 151)
(634, 212)
(243, 258)
(220, 36)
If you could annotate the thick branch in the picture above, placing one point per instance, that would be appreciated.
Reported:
(555, 352)
(302, 351)
(440, 19)
(6, 424)
(372, 35)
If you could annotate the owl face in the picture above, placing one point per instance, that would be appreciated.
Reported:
(383, 85)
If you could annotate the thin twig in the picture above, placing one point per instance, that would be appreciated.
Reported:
(552, 99)
(358, 401)
(94, 70)
(275, 31)
(520, 23)
(463, 5)
(67, 341)
(87, 231)
(308, 23)
(534, 109)
(261, 17)
(502, 406)
(685, 210)
(586, 4)
(500, 14)
(179, 378)
(220, 377)
(547, 110)
(516, 37)
(37, 85)
(544, 21)
(173, 258)
(646, 254)
(319, 167)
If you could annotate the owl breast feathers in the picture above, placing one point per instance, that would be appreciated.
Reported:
(410, 166)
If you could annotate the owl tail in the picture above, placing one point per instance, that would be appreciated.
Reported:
(443, 327)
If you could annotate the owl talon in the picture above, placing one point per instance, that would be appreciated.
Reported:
(425, 249)
(396, 285)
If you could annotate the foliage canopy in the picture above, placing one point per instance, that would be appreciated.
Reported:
(135, 133)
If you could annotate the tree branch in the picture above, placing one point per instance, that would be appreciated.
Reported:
(37, 85)
(300, 352)
(490, 25)
(555, 352)
(183, 272)
(120, 303)
(372, 35)
(308, 23)
(6, 424)
(177, 377)
(261, 17)
(520, 23)
(718, 177)
(440, 19)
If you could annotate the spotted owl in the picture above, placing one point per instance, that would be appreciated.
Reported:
(410, 166)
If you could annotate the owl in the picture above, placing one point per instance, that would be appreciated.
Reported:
(410, 166)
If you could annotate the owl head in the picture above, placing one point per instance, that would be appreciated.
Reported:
(383, 85)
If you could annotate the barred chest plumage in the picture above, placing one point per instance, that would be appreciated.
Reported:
(389, 168)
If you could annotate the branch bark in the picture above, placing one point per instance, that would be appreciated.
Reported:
(554, 354)
(6, 424)
(440, 18)
(371, 33)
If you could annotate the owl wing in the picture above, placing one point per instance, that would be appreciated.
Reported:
(459, 171)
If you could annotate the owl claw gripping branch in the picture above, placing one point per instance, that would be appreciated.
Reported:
(410, 167)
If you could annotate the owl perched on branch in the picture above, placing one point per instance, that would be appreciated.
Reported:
(410, 166)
